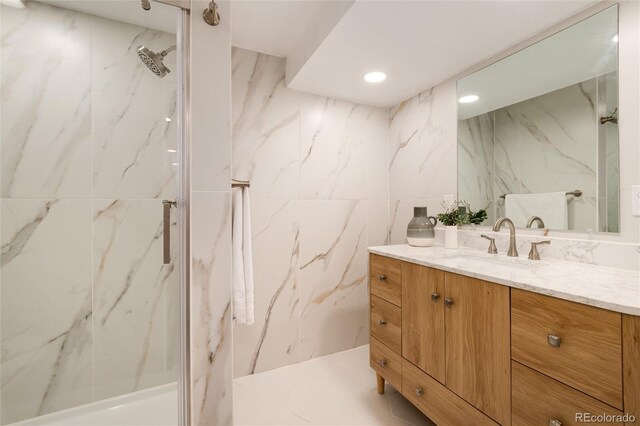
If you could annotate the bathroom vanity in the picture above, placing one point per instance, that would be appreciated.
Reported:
(473, 339)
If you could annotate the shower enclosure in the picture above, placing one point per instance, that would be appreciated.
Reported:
(91, 164)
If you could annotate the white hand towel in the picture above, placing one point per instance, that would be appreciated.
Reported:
(239, 308)
(551, 207)
(243, 297)
(248, 256)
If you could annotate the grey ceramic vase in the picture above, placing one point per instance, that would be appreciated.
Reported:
(420, 232)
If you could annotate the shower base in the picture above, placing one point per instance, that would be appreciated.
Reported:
(156, 406)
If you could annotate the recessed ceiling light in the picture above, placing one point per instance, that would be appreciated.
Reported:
(375, 77)
(468, 99)
(171, 150)
(615, 38)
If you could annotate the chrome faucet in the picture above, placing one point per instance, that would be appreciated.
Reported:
(513, 251)
(534, 219)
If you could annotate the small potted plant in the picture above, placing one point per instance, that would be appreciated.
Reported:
(458, 213)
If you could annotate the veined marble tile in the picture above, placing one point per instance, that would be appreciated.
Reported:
(265, 125)
(565, 246)
(475, 158)
(46, 143)
(549, 143)
(210, 100)
(342, 150)
(272, 341)
(134, 114)
(422, 145)
(333, 276)
(211, 310)
(131, 286)
(507, 157)
(46, 306)
(377, 222)
(559, 137)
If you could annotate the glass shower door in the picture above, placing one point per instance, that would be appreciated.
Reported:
(88, 153)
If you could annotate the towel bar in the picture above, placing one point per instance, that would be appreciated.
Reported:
(240, 183)
(576, 193)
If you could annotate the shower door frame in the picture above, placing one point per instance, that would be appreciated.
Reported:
(183, 203)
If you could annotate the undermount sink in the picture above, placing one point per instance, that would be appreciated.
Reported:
(501, 261)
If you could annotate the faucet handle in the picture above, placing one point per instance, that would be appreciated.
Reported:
(492, 246)
(533, 253)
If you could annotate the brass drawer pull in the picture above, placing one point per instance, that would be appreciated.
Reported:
(382, 362)
(382, 322)
(435, 296)
(555, 422)
(419, 392)
(554, 341)
(382, 277)
(448, 302)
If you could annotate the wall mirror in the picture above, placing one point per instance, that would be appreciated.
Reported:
(538, 131)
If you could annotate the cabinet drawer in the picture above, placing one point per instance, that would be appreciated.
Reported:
(386, 320)
(589, 355)
(386, 362)
(385, 278)
(436, 401)
(538, 400)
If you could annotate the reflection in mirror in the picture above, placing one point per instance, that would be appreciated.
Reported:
(538, 132)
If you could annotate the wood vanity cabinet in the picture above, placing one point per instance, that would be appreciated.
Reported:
(471, 352)
(455, 342)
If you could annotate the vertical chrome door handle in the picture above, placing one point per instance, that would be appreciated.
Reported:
(166, 230)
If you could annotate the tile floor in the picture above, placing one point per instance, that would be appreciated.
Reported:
(338, 389)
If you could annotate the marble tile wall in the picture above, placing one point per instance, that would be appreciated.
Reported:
(85, 299)
(476, 163)
(211, 375)
(422, 155)
(319, 185)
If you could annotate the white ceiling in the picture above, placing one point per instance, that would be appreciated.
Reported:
(272, 27)
(330, 44)
(160, 17)
(419, 44)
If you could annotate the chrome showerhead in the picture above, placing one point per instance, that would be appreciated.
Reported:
(153, 60)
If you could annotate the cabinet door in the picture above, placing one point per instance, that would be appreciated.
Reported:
(478, 344)
(423, 319)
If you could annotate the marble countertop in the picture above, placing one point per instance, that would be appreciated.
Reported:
(614, 289)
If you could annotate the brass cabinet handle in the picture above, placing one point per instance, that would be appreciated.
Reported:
(382, 277)
(554, 340)
(448, 302)
(419, 391)
(382, 322)
(555, 422)
(383, 363)
(435, 296)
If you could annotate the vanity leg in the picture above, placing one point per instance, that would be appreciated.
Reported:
(380, 383)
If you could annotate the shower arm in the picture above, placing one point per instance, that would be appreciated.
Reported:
(167, 50)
